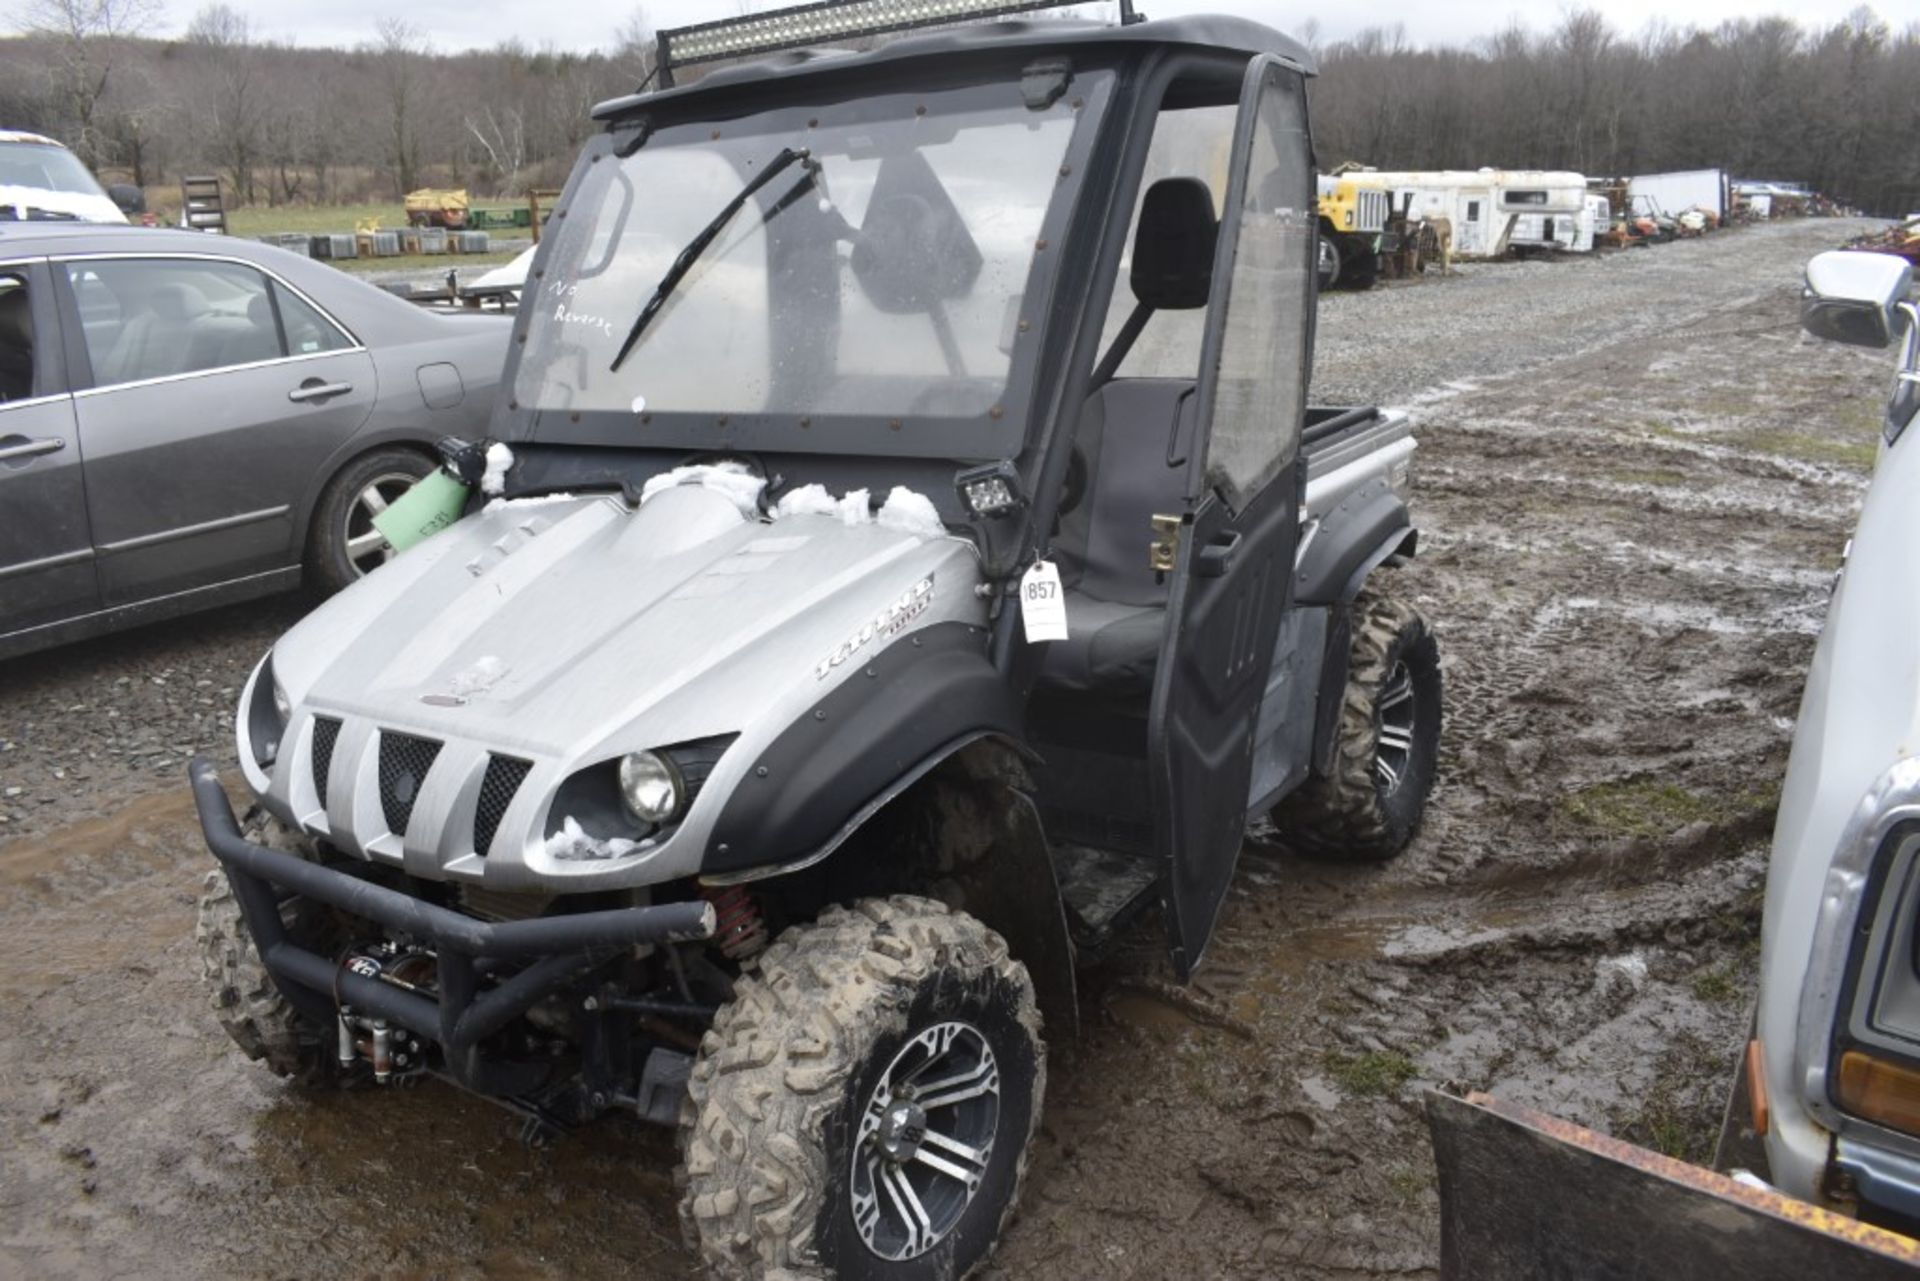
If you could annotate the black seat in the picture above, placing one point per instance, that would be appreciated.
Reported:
(1132, 439)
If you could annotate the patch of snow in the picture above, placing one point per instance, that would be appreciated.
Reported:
(499, 460)
(735, 480)
(906, 510)
(482, 676)
(499, 504)
(808, 500)
(571, 844)
(911, 511)
(856, 508)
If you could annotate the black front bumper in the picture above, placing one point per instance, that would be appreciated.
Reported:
(556, 951)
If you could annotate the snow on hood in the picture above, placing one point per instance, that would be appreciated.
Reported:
(82, 205)
(526, 624)
(499, 463)
(905, 509)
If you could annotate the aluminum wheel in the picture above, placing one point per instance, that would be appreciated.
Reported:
(1396, 712)
(367, 548)
(926, 1135)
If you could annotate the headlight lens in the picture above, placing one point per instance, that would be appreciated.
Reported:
(281, 703)
(651, 787)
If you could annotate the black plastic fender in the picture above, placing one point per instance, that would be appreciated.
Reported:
(1369, 525)
(934, 689)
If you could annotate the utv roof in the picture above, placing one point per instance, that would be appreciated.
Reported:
(776, 73)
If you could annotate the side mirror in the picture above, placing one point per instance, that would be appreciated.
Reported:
(1854, 297)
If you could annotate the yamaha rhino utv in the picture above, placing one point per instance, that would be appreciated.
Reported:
(718, 768)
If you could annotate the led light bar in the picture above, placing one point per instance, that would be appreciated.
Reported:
(811, 24)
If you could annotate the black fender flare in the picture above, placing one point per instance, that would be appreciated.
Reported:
(1354, 539)
(929, 716)
(1368, 528)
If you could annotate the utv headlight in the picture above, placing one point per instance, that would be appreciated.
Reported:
(282, 705)
(651, 787)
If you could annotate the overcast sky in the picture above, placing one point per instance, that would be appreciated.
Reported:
(585, 25)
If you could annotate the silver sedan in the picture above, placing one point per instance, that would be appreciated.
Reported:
(190, 420)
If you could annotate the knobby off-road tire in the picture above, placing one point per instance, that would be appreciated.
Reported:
(244, 999)
(779, 1100)
(1370, 806)
(344, 513)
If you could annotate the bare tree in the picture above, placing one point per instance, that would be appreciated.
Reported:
(222, 42)
(399, 51)
(634, 47)
(87, 35)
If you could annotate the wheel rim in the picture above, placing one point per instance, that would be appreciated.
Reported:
(367, 548)
(926, 1136)
(1397, 712)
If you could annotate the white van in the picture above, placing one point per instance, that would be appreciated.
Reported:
(40, 179)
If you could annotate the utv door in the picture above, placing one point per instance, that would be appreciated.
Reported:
(1232, 563)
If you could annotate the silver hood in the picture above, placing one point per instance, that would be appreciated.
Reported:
(568, 632)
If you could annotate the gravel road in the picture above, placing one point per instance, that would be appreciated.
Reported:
(1635, 480)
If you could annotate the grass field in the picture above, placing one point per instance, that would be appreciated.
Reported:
(316, 219)
(342, 219)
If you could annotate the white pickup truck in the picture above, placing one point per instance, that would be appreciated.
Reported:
(1839, 1024)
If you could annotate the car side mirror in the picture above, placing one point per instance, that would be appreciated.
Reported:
(1854, 297)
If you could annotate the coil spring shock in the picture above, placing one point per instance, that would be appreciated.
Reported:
(742, 931)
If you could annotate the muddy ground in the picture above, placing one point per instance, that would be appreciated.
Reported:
(1635, 489)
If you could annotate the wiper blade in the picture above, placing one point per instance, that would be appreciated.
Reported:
(698, 245)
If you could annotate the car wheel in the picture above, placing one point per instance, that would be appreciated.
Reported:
(343, 545)
(1369, 806)
(864, 1105)
(1329, 266)
(246, 1002)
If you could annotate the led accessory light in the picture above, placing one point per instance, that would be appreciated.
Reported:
(811, 24)
(651, 787)
(991, 490)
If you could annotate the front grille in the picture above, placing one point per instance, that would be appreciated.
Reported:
(504, 776)
(1372, 209)
(404, 762)
(325, 731)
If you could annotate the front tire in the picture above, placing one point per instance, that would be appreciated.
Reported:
(343, 546)
(244, 997)
(864, 1105)
(1370, 806)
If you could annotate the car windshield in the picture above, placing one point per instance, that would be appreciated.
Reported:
(885, 279)
(46, 168)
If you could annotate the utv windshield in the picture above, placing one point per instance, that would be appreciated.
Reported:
(888, 280)
(45, 168)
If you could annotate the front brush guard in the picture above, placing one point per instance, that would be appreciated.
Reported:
(560, 950)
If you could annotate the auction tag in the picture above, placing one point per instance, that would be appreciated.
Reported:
(1042, 606)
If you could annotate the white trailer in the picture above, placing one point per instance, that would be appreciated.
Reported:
(1490, 210)
(1672, 194)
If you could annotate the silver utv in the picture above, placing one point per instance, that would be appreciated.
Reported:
(721, 725)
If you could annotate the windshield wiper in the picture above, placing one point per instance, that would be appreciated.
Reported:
(698, 245)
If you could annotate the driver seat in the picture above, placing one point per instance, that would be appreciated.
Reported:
(1133, 437)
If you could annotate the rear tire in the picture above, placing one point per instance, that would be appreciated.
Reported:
(342, 545)
(245, 1000)
(1370, 806)
(801, 1122)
